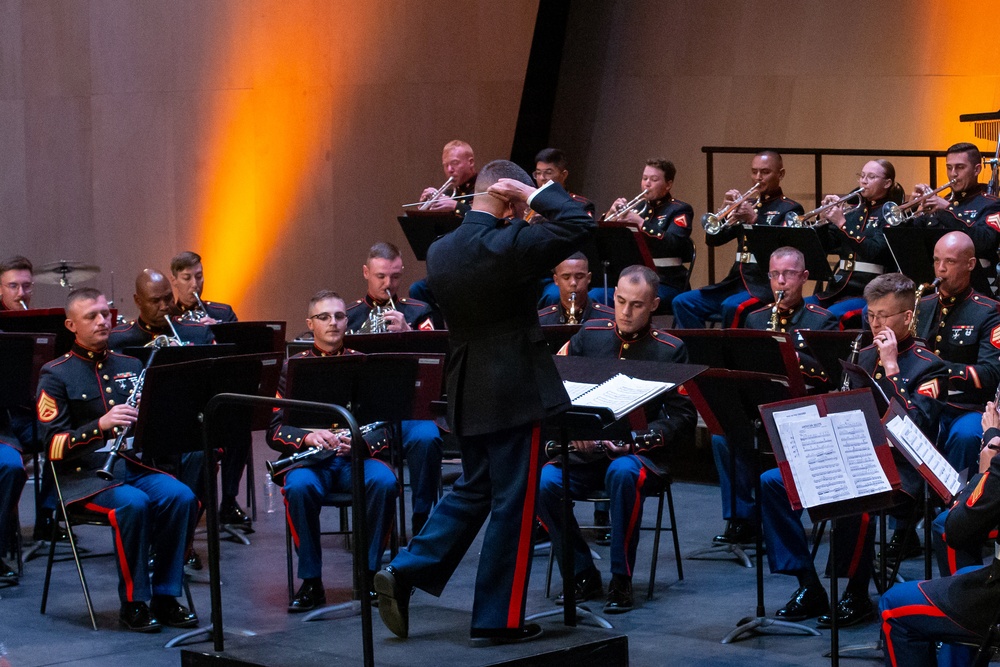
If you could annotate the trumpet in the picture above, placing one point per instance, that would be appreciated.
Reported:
(793, 219)
(716, 222)
(174, 339)
(627, 208)
(198, 313)
(893, 213)
(315, 454)
(376, 318)
(437, 194)
(108, 471)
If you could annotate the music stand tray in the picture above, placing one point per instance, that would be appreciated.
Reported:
(764, 240)
(423, 228)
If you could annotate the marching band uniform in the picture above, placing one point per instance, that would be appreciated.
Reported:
(305, 486)
(222, 312)
(137, 333)
(147, 508)
(921, 380)
(978, 215)
(746, 284)
(416, 313)
(629, 479)
(793, 320)
(557, 314)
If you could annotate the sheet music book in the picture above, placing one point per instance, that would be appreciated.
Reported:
(922, 454)
(621, 394)
(831, 458)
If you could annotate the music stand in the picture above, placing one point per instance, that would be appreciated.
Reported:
(422, 228)
(912, 249)
(44, 320)
(179, 354)
(746, 350)
(829, 347)
(421, 342)
(557, 335)
(251, 337)
(764, 240)
(618, 247)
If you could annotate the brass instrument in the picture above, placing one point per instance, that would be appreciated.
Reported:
(314, 454)
(793, 219)
(108, 471)
(437, 194)
(627, 208)
(716, 222)
(916, 304)
(855, 351)
(572, 317)
(778, 296)
(174, 339)
(376, 318)
(198, 313)
(894, 214)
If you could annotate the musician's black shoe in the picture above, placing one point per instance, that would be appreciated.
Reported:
(170, 612)
(807, 602)
(494, 636)
(738, 531)
(393, 601)
(136, 617)
(43, 530)
(311, 595)
(895, 550)
(6, 571)
(619, 595)
(588, 587)
(852, 609)
(231, 514)
(192, 560)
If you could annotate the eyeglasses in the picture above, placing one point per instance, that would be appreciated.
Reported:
(870, 177)
(25, 287)
(547, 173)
(326, 317)
(787, 274)
(883, 317)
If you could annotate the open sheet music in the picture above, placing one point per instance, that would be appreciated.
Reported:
(919, 450)
(621, 394)
(831, 458)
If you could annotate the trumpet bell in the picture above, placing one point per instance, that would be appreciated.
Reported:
(892, 215)
(793, 219)
(711, 223)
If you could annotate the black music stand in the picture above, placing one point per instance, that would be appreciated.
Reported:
(179, 354)
(829, 347)
(596, 423)
(826, 404)
(746, 350)
(40, 320)
(557, 335)
(912, 249)
(422, 228)
(618, 248)
(420, 342)
(764, 240)
(251, 337)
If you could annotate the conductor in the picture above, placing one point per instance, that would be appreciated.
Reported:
(501, 382)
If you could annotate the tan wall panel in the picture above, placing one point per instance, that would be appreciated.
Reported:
(13, 187)
(55, 39)
(10, 50)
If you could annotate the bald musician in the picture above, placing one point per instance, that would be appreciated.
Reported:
(155, 300)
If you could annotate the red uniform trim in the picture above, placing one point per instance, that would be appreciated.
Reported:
(631, 532)
(749, 303)
(899, 612)
(291, 526)
(119, 548)
(522, 562)
(859, 546)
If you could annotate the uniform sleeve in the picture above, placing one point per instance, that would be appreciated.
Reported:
(60, 438)
(920, 395)
(280, 436)
(565, 226)
(985, 373)
(674, 418)
(976, 510)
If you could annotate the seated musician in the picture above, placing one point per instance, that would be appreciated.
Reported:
(572, 278)
(905, 371)
(858, 236)
(916, 615)
(187, 280)
(631, 470)
(155, 301)
(745, 286)
(968, 208)
(787, 274)
(665, 226)
(421, 438)
(82, 402)
(17, 283)
(12, 479)
(305, 486)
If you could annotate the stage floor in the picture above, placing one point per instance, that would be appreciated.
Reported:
(682, 625)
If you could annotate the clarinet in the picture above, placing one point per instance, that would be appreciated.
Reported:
(108, 471)
(855, 351)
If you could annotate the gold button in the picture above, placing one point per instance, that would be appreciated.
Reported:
(944, 311)
(878, 376)
(111, 402)
(83, 396)
(99, 367)
(107, 390)
(938, 337)
(106, 377)
(902, 391)
(625, 346)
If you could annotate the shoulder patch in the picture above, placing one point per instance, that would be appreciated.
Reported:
(994, 221)
(47, 408)
(995, 337)
(681, 221)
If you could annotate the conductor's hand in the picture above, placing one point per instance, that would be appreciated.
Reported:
(120, 415)
(443, 204)
(888, 352)
(394, 321)
(508, 190)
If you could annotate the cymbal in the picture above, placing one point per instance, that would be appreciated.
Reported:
(64, 272)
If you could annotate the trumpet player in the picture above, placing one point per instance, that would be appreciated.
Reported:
(459, 165)
(968, 208)
(187, 281)
(905, 370)
(745, 285)
(17, 283)
(858, 236)
(631, 470)
(305, 486)
(572, 277)
(382, 272)
(81, 402)
(665, 226)
(155, 301)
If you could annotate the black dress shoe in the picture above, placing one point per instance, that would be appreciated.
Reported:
(852, 609)
(170, 612)
(231, 514)
(807, 602)
(895, 551)
(6, 571)
(192, 560)
(738, 531)
(393, 601)
(619, 595)
(311, 595)
(588, 587)
(136, 617)
(494, 636)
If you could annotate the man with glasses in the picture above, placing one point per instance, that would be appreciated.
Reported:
(904, 370)
(788, 274)
(16, 283)
(305, 486)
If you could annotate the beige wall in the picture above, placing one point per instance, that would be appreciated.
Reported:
(275, 137)
(650, 78)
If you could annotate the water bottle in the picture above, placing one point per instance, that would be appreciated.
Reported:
(270, 495)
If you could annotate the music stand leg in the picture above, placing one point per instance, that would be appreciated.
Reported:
(235, 534)
(581, 613)
(568, 557)
(208, 632)
(352, 608)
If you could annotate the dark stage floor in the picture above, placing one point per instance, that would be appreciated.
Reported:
(682, 625)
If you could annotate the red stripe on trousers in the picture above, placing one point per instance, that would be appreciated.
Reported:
(859, 545)
(291, 526)
(752, 301)
(848, 315)
(899, 612)
(632, 520)
(119, 547)
(524, 547)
